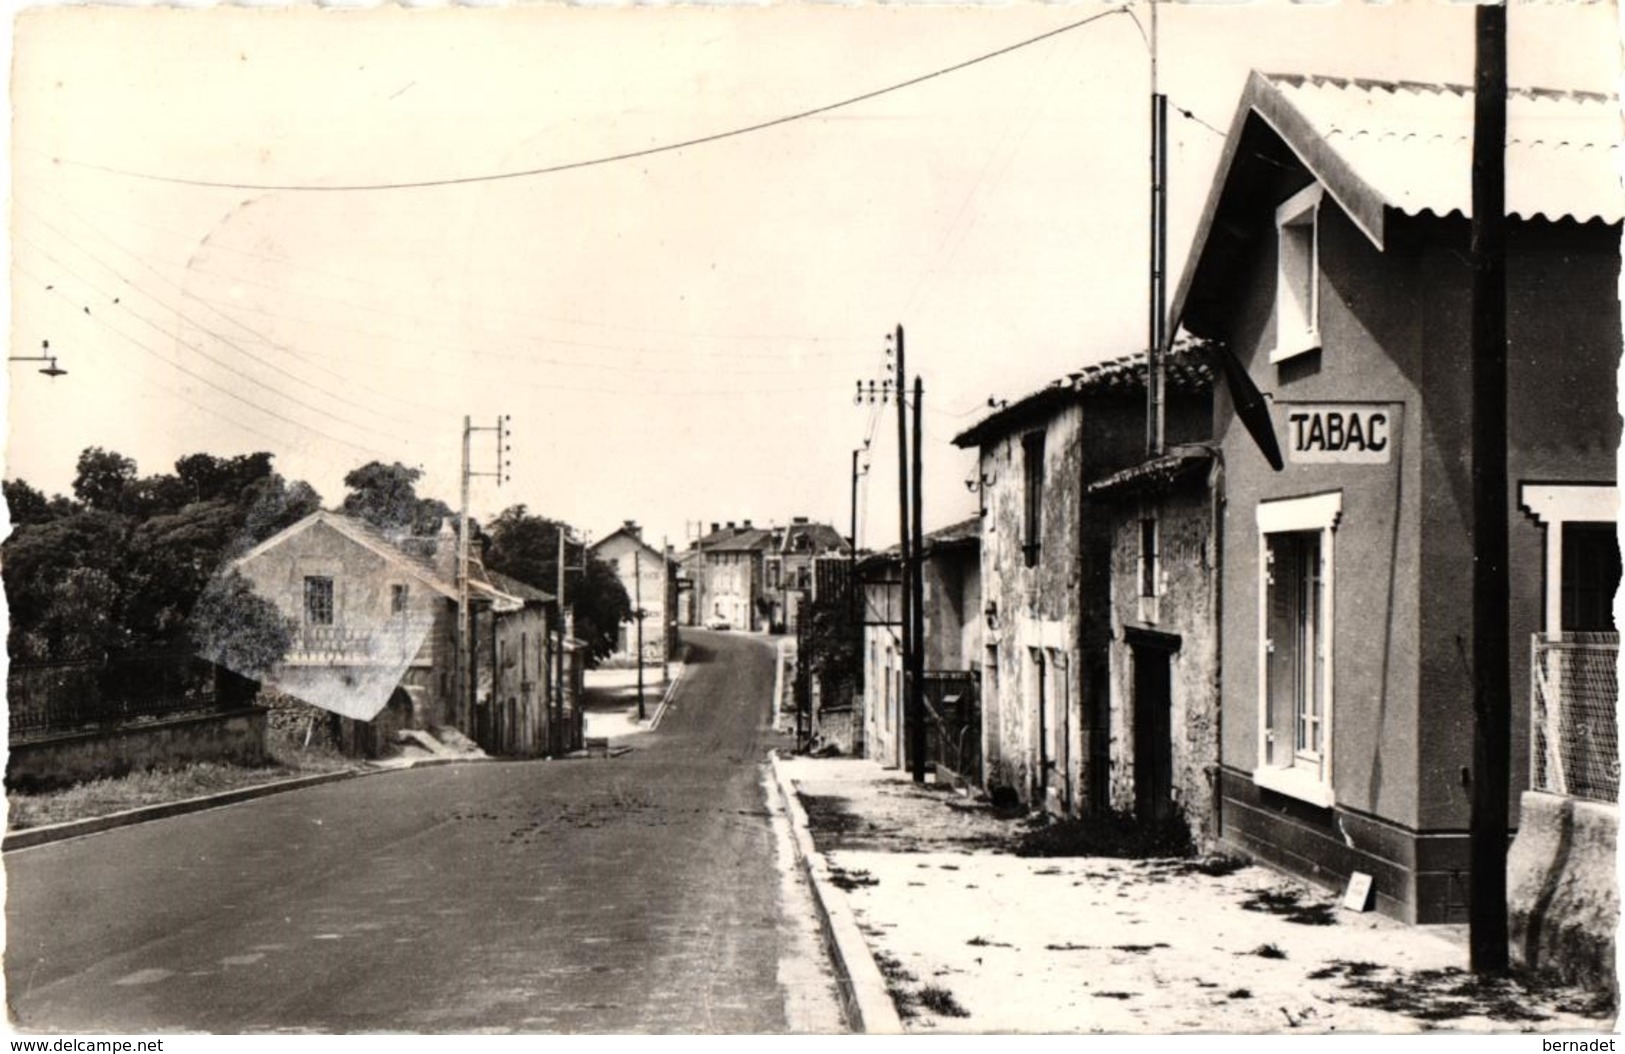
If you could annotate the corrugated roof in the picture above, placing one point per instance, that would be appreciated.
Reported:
(1411, 144)
(1188, 369)
(1387, 148)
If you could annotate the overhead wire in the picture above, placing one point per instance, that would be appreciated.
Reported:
(628, 155)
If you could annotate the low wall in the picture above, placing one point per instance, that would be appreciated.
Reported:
(234, 736)
(1562, 890)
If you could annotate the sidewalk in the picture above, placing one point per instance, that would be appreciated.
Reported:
(610, 702)
(972, 938)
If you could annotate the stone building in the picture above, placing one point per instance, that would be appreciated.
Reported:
(650, 578)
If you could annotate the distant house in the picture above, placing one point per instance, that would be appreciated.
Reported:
(1046, 552)
(790, 567)
(1332, 257)
(731, 584)
(649, 577)
(375, 634)
(954, 627)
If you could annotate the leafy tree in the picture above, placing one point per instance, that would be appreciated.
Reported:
(39, 558)
(25, 504)
(208, 478)
(272, 504)
(386, 496)
(170, 560)
(527, 548)
(235, 627)
(101, 477)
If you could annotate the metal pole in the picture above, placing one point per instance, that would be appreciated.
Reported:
(1492, 701)
(465, 678)
(637, 603)
(902, 516)
(916, 694)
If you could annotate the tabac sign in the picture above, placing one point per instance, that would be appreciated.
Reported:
(1346, 433)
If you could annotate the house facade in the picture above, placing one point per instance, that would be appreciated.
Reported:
(790, 564)
(1045, 574)
(375, 634)
(1331, 258)
(650, 579)
(730, 587)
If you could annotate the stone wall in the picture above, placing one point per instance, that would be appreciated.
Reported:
(1562, 889)
(234, 737)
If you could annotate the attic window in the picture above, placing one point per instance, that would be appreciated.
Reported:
(1297, 288)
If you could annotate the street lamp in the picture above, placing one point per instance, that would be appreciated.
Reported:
(51, 369)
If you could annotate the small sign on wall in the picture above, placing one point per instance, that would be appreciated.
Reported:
(1358, 895)
(1349, 433)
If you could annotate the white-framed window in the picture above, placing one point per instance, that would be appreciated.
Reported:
(1582, 552)
(1297, 287)
(318, 600)
(1295, 635)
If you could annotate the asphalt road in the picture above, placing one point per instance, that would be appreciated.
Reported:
(651, 892)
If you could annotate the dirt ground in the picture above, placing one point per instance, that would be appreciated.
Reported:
(974, 938)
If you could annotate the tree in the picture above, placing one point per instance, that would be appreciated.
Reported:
(38, 558)
(386, 496)
(235, 627)
(272, 504)
(527, 548)
(170, 560)
(25, 504)
(101, 477)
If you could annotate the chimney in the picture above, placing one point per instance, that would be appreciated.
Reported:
(799, 521)
(747, 525)
(445, 550)
(715, 526)
(631, 527)
(730, 525)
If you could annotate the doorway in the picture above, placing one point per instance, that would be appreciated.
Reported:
(1153, 730)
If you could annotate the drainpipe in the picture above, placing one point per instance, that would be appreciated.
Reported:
(1215, 484)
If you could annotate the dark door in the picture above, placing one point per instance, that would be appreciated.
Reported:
(1153, 732)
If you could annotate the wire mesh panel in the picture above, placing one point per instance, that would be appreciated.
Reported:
(1573, 730)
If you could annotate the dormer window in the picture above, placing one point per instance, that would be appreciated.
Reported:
(1297, 289)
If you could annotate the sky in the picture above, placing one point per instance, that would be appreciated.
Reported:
(676, 336)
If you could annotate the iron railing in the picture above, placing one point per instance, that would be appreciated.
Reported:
(44, 699)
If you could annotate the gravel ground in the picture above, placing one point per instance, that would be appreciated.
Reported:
(975, 939)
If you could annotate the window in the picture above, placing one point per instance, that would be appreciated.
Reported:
(772, 574)
(1148, 557)
(1582, 553)
(397, 600)
(318, 600)
(1590, 577)
(1032, 456)
(1297, 287)
(1295, 646)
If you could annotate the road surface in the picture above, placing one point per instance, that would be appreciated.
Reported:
(651, 892)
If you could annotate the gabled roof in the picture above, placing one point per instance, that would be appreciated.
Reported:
(365, 535)
(1187, 369)
(520, 590)
(622, 532)
(822, 538)
(745, 539)
(966, 534)
(1402, 147)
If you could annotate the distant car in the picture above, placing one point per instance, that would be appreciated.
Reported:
(718, 623)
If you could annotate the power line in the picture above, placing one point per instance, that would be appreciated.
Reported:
(612, 158)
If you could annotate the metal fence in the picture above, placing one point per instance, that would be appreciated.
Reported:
(953, 715)
(44, 699)
(1573, 730)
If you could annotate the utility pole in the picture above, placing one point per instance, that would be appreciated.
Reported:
(467, 682)
(1492, 702)
(916, 695)
(668, 610)
(564, 640)
(1157, 339)
(637, 610)
(902, 518)
(853, 599)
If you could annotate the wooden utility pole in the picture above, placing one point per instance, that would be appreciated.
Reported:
(916, 579)
(854, 610)
(668, 610)
(464, 711)
(1492, 699)
(903, 518)
(557, 731)
(637, 611)
(1157, 338)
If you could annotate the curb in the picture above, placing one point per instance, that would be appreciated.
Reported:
(778, 687)
(867, 1003)
(29, 837)
(671, 690)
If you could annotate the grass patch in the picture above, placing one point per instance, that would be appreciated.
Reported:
(1118, 835)
(850, 880)
(1268, 951)
(940, 1001)
(1288, 903)
(157, 786)
(1450, 994)
(1239, 993)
